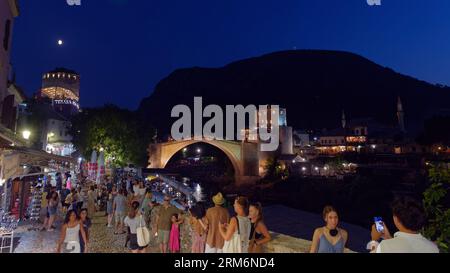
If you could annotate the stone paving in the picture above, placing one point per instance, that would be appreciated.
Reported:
(288, 226)
(301, 224)
(102, 239)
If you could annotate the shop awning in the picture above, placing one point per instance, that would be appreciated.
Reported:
(14, 158)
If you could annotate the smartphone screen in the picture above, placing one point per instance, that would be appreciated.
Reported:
(379, 224)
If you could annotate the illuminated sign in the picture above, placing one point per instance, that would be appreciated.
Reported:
(356, 139)
(69, 102)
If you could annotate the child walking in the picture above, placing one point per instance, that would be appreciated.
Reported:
(174, 238)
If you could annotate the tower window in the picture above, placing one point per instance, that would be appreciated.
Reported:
(7, 34)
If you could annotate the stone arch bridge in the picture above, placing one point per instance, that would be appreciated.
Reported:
(244, 156)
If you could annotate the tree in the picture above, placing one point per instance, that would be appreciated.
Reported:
(274, 170)
(115, 130)
(438, 212)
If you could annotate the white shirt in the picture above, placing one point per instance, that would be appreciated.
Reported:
(406, 243)
(138, 191)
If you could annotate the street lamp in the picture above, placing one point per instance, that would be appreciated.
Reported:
(199, 150)
(26, 134)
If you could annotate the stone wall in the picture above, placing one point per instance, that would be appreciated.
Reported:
(280, 243)
(287, 244)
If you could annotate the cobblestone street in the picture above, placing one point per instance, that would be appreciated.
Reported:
(102, 239)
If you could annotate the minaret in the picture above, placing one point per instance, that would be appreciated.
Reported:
(343, 120)
(400, 115)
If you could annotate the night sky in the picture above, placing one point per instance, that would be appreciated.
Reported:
(122, 48)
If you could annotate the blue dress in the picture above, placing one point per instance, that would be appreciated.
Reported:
(326, 247)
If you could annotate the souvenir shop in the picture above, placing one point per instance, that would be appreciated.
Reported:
(25, 174)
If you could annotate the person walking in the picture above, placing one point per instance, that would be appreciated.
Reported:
(91, 197)
(53, 204)
(59, 182)
(119, 209)
(134, 220)
(146, 207)
(109, 209)
(214, 216)
(47, 196)
(64, 193)
(70, 234)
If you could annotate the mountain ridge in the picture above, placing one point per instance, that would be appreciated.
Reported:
(313, 85)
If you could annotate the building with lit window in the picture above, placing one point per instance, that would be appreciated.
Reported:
(57, 139)
(62, 87)
(10, 94)
(365, 135)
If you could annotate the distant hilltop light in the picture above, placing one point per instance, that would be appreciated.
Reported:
(60, 42)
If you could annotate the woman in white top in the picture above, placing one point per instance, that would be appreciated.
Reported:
(139, 192)
(238, 225)
(70, 234)
(134, 220)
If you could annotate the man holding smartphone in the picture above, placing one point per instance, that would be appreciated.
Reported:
(409, 219)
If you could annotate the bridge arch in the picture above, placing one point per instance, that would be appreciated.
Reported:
(243, 156)
(231, 150)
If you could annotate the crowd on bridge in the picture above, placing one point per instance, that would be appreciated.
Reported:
(132, 207)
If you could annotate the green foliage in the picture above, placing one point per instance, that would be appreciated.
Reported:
(438, 227)
(274, 170)
(115, 130)
(337, 164)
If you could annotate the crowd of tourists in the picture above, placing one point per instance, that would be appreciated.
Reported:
(131, 208)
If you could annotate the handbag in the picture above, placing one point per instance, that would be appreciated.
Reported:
(143, 234)
(234, 244)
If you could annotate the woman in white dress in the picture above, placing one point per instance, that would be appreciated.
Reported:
(70, 234)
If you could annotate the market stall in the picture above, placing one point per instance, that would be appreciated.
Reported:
(20, 170)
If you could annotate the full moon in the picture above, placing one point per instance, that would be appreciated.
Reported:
(60, 42)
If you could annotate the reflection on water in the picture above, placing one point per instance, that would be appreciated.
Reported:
(198, 194)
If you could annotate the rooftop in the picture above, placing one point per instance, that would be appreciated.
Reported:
(63, 70)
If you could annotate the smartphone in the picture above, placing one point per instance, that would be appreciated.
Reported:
(379, 224)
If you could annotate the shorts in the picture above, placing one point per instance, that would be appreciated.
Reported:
(209, 249)
(163, 236)
(134, 242)
(52, 211)
(119, 216)
(109, 208)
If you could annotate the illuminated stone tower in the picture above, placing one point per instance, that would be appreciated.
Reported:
(62, 86)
